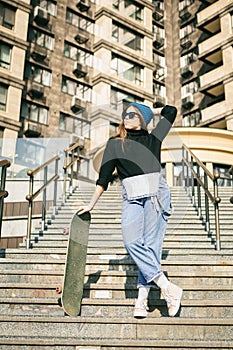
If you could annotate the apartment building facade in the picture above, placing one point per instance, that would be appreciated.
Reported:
(75, 65)
(13, 46)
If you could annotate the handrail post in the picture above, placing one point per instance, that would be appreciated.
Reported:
(64, 179)
(55, 190)
(199, 193)
(183, 166)
(2, 189)
(30, 204)
(44, 200)
(216, 211)
(207, 213)
(193, 188)
(72, 173)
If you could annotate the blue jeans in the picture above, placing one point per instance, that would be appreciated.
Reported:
(144, 224)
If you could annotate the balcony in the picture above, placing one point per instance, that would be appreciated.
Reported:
(36, 90)
(186, 71)
(32, 129)
(77, 105)
(214, 76)
(83, 5)
(39, 53)
(41, 16)
(187, 102)
(158, 41)
(217, 110)
(80, 70)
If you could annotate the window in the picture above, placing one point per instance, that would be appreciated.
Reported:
(160, 67)
(184, 4)
(120, 99)
(74, 125)
(3, 96)
(126, 37)
(7, 16)
(129, 8)
(42, 39)
(5, 55)
(187, 30)
(71, 51)
(159, 31)
(187, 59)
(35, 113)
(80, 22)
(126, 69)
(190, 88)
(76, 54)
(75, 88)
(40, 75)
(159, 90)
(192, 119)
(49, 6)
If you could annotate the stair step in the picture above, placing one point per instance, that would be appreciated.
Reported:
(116, 307)
(29, 303)
(103, 344)
(216, 329)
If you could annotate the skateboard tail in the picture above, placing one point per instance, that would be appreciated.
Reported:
(75, 265)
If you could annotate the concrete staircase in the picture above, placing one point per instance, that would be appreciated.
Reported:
(30, 317)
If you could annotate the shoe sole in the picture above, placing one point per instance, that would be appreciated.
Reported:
(140, 314)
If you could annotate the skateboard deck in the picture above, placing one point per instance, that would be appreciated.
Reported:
(76, 255)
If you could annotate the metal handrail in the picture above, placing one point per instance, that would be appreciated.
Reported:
(4, 164)
(214, 198)
(32, 195)
(72, 158)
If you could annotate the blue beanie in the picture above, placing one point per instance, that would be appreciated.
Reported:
(145, 111)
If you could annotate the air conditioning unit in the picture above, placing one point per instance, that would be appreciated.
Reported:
(158, 41)
(159, 101)
(185, 42)
(184, 14)
(41, 16)
(36, 90)
(77, 139)
(81, 38)
(39, 53)
(77, 105)
(188, 102)
(83, 5)
(159, 72)
(32, 129)
(80, 70)
(186, 71)
(158, 13)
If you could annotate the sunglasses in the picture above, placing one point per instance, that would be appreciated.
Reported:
(131, 115)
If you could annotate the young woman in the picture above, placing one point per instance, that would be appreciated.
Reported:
(135, 153)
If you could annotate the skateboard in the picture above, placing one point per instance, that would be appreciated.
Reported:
(72, 289)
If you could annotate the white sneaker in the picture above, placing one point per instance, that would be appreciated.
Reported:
(140, 309)
(172, 294)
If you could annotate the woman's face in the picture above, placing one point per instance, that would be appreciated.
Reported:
(132, 119)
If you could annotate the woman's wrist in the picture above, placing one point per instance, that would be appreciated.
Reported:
(157, 111)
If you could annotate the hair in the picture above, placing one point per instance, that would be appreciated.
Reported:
(122, 133)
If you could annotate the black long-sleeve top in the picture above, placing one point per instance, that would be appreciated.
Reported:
(139, 153)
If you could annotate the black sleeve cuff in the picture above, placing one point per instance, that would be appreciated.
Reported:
(169, 112)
